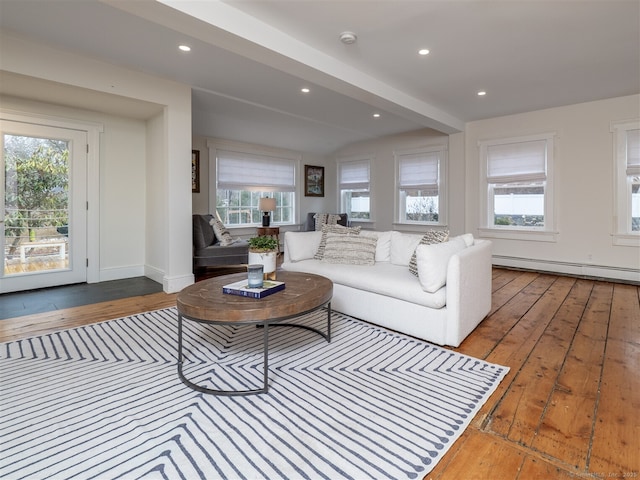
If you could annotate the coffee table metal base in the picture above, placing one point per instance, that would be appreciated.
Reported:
(265, 339)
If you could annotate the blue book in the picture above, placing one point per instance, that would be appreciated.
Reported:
(242, 289)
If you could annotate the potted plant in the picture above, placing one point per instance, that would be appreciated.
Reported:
(263, 251)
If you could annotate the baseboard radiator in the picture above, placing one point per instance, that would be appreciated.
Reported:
(604, 272)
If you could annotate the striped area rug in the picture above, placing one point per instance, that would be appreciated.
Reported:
(104, 401)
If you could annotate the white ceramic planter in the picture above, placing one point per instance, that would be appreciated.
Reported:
(266, 259)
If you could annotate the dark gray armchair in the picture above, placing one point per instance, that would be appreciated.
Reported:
(310, 223)
(207, 251)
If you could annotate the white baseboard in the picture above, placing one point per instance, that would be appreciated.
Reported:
(177, 283)
(567, 268)
(154, 274)
(119, 273)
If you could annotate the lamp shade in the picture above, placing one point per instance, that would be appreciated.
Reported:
(267, 204)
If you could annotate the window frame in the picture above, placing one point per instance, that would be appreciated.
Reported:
(623, 234)
(400, 199)
(214, 146)
(340, 162)
(487, 228)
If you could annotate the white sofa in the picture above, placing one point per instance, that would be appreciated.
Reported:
(386, 293)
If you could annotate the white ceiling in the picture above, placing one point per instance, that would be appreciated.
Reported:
(249, 59)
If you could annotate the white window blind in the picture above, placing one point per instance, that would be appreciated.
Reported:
(633, 152)
(419, 171)
(517, 162)
(246, 171)
(354, 175)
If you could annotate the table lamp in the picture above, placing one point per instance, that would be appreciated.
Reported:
(266, 205)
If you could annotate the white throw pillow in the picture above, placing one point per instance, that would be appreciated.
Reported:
(467, 237)
(350, 249)
(301, 245)
(429, 238)
(402, 247)
(222, 234)
(383, 246)
(433, 261)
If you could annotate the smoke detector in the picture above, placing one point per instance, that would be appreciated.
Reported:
(348, 38)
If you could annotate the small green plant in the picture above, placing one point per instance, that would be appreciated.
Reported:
(263, 244)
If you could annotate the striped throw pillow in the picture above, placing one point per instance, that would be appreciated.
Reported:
(339, 229)
(350, 249)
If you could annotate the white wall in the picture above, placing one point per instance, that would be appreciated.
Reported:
(122, 185)
(162, 199)
(383, 191)
(201, 201)
(584, 180)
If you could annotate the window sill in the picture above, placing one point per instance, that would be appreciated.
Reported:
(511, 234)
(364, 223)
(626, 240)
(417, 227)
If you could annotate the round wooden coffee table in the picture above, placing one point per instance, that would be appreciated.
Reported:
(204, 302)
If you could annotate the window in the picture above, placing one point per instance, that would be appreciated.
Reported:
(627, 158)
(242, 178)
(518, 184)
(353, 185)
(420, 185)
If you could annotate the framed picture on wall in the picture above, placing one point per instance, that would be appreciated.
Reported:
(195, 171)
(313, 181)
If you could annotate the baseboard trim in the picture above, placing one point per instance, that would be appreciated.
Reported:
(598, 272)
(119, 273)
(176, 283)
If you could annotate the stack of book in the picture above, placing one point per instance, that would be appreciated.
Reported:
(242, 289)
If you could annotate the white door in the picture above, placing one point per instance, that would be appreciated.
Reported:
(43, 178)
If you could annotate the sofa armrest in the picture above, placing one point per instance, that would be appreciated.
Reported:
(468, 290)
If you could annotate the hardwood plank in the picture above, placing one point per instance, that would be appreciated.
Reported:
(479, 456)
(516, 346)
(521, 409)
(567, 425)
(536, 468)
(504, 294)
(30, 325)
(616, 439)
(494, 328)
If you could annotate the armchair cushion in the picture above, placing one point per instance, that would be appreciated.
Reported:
(208, 250)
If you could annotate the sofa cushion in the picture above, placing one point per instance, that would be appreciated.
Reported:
(222, 234)
(350, 249)
(383, 244)
(384, 278)
(429, 238)
(402, 247)
(303, 247)
(433, 261)
(333, 229)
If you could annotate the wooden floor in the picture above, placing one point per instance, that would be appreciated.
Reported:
(570, 405)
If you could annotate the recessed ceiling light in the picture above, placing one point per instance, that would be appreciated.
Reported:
(305, 90)
(423, 51)
(376, 115)
(482, 93)
(185, 48)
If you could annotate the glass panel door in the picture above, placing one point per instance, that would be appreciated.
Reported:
(44, 225)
